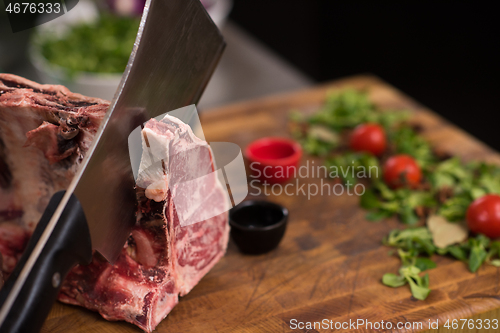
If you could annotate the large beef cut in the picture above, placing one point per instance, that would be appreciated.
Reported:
(44, 133)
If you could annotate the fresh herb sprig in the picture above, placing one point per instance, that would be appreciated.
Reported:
(352, 167)
(415, 247)
(410, 273)
(384, 202)
(102, 46)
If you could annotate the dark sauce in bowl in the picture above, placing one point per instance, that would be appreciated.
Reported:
(257, 226)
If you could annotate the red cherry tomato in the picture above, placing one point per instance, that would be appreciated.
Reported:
(483, 216)
(402, 170)
(370, 138)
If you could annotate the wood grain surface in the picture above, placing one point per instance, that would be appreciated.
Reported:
(330, 262)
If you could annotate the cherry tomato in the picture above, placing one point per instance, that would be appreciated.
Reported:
(483, 215)
(370, 138)
(402, 170)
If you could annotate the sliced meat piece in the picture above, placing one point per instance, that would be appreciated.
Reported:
(45, 132)
(123, 291)
(162, 259)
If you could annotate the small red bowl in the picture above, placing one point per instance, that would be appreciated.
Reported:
(273, 160)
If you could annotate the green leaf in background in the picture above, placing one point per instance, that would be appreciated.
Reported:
(468, 182)
(415, 199)
(347, 108)
(408, 258)
(490, 183)
(389, 118)
(494, 251)
(454, 209)
(393, 280)
(418, 239)
(377, 215)
(402, 201)
(408, 216)
(407, 141)
(419, 285)
(315, 146)
(419, 292)
(477, 192)
(449, 173)
(483, 240)
(412, 266)
(369, 200)
(457, 252)
(478, 252)
(424, 264)
(476, 258)
(384, 190)
(425, 281)
(364, 166)
(103, 46)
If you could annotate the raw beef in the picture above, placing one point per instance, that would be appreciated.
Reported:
(44, 133)
(39, 153)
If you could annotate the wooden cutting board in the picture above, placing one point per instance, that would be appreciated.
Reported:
(331, 261)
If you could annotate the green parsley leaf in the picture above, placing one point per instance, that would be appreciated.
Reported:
(393, 280)
(424, 264)
(477, 255)
(377, 215)
(457, 251)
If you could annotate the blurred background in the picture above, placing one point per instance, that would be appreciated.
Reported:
(444, 54)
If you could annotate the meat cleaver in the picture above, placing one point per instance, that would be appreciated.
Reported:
(175, 53)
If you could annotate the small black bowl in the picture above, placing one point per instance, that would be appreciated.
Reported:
(257, 226)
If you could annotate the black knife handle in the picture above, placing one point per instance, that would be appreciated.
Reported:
(68, 245)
